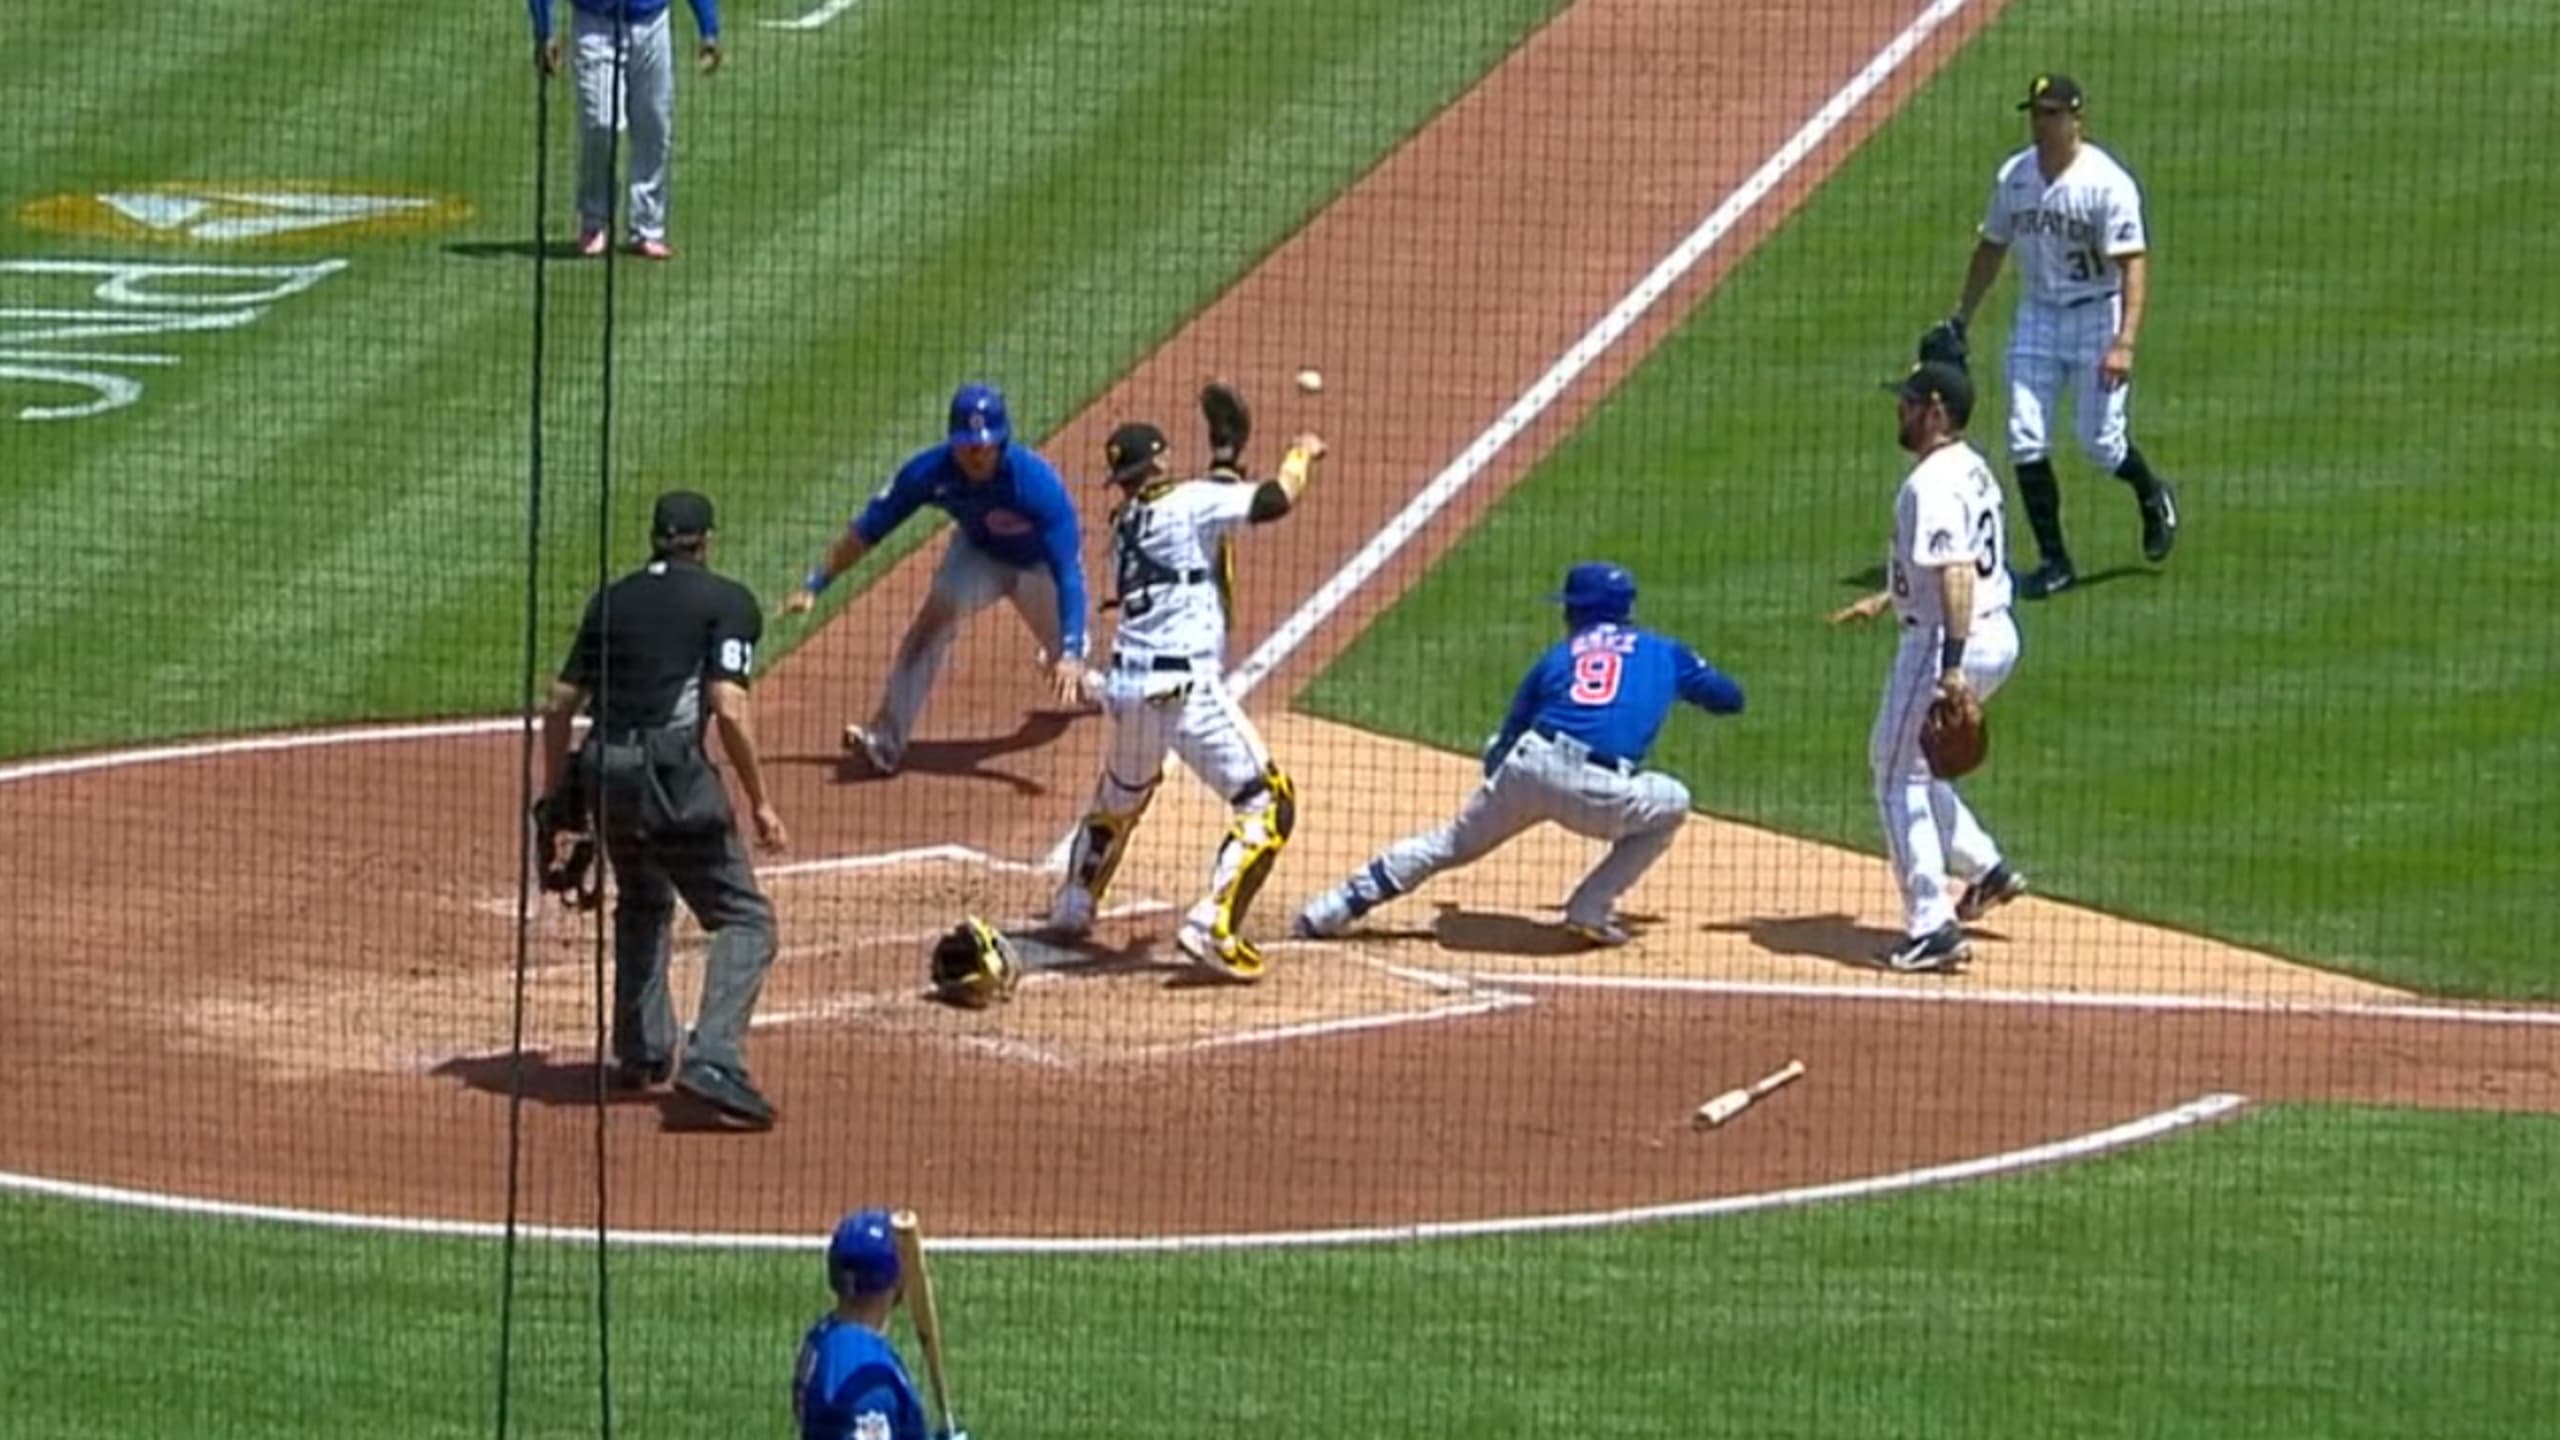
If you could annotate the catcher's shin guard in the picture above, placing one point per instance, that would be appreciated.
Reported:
(1102, 838)
(1266, 814)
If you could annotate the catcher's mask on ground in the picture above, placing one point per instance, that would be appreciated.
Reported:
(974, 966)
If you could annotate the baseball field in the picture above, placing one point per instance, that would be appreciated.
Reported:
(2242, 1124)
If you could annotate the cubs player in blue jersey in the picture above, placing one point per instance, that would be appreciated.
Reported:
(848, 1383)
(1018, 539)
(1571, 751)
(623, 40)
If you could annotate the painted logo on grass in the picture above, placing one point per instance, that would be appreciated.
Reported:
(196, 212)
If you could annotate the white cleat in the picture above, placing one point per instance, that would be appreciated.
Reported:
(1232, 956)
(1325, 917)
(1071, 913)
(862, 740)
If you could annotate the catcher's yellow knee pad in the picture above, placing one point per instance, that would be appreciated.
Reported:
(1102, 841)
(1258, 835)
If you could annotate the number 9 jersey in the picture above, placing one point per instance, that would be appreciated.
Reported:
(1949, 510)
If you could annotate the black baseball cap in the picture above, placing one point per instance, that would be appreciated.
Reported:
(1131, 449)
(2060, 89)
(681, 512)
(1939, 381)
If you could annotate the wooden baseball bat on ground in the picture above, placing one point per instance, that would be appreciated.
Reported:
(1733, 1102)
(908, 1232)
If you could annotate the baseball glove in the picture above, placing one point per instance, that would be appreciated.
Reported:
(1944, 342)
(1955, 736)
(974, 966)
(1230, 425)
(565, 849)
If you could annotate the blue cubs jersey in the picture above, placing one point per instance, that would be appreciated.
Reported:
(1610, 686)
(1021, 516)
(849, 1385)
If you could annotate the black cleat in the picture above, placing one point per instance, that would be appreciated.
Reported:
(726, 1091)
(642, 1074)
(2051, 578)
(1996, 888)
(2160, 523)
(1944, 948)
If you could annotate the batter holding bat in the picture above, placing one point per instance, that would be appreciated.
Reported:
(849, 1384)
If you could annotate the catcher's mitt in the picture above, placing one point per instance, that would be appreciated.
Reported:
(1944, 342)
(565, 850)
(1955, 736)
(974, 966)
(1230, 424)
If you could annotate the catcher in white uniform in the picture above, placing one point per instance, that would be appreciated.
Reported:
(2074, 215)
(1164, 685)
(1948, 583)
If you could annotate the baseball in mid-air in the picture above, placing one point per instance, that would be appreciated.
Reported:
(1310, 381)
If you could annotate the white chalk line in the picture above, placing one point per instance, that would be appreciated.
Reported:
(2079, 1147)
(257, 745)
(2049, 999)
(813, 19)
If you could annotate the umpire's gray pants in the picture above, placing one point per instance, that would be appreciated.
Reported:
(710, 873)
(1639, 814)
(649, 104)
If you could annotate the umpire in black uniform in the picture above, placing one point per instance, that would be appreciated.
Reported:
(662, 652)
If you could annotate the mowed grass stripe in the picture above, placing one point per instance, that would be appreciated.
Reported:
(2312, 1271)
(853, 241)
(2318, 730)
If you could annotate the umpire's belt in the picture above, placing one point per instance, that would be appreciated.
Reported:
(1598, 759)
(1173, 664)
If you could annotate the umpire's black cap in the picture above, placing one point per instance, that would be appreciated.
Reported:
(681, 512)
(1937, 380)
(1131, 449)
(2052, 89)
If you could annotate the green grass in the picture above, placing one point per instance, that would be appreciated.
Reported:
(322, 514)
(2325, 728)
(2332, 1272)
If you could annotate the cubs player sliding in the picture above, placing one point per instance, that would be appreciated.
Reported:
(1949, 584)
(1164, 686)
(2075, 218)
(1570, 751)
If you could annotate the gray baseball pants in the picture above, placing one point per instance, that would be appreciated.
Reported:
(648, 105)
(967, 581)
(1543, 779)
(709, 871)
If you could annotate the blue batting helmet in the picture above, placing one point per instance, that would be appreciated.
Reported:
(1597, 590)
(862, 1257)
(978, 416)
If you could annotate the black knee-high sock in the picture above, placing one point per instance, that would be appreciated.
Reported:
(2043, 499)
(2136, 472)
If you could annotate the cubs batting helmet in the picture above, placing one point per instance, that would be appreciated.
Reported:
(1597, 590)
(978, 416)
(862, 1257)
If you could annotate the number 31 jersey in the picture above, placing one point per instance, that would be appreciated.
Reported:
(1949, 510)
(2070, 233)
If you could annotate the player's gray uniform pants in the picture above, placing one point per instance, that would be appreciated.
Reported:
(710, 873)
(1639, 813)
(1928, 828)
(649, 107)
(967, 581)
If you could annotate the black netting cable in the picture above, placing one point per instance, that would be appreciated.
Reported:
(530, 665)
(602, 955)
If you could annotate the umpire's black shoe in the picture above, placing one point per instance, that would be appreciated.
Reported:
(726, 1091)
(1941, 949)
(2051, 578)
(2160, 523)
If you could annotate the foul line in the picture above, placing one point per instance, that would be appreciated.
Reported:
(2078, 1147)
(2052, 999)
(1611, 328)
(814, 18)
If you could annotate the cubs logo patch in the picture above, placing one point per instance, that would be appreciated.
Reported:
(1007, 523)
